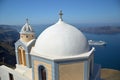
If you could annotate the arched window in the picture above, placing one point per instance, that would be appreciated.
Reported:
(42, 73)
(21, 56)
(32, 36)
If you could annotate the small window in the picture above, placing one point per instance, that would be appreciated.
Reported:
(42, 73)
(21, 36)
(26, 36)
(11, 76)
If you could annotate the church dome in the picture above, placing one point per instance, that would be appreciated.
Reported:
(61, 39)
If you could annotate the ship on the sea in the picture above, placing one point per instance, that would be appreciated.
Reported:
(99, 43)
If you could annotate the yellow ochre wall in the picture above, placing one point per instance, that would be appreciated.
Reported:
(27, 37)
(71, 71)
(48, 69)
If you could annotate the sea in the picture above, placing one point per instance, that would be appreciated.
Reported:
(108, 56)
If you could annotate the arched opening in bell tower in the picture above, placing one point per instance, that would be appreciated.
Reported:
(21, 56)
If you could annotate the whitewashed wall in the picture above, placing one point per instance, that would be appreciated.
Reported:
(4, 74)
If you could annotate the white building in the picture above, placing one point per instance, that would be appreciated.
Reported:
(61, 52)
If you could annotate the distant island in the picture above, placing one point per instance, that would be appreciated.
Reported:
(101, 30)
(8, 33)
(8, 36)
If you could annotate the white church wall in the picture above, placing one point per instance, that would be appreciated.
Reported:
(3, 74)
(27, 49)
(5, 71)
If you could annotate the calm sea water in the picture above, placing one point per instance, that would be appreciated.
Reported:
(108, 56)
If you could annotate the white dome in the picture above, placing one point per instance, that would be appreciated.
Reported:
(61, 39)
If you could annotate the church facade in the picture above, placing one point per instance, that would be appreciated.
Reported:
(61, 52)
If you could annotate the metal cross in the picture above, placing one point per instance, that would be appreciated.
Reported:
(61, 14)
(27, 20)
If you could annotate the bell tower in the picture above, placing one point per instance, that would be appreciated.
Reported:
(23, 46)
(27, 33)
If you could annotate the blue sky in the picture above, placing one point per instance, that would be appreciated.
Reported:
(105, 12)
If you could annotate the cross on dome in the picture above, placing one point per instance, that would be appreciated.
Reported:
(60, 14)
(26, 20)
